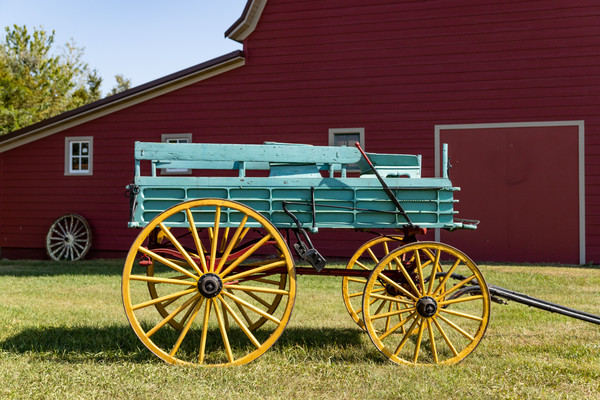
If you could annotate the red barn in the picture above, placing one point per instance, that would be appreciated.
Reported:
(513, 87)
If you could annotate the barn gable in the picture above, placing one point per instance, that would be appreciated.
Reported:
(387, 71)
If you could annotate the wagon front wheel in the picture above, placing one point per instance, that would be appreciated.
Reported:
(222, 279)
(409, 309)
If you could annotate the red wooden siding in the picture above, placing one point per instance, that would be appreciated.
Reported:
(395, 68)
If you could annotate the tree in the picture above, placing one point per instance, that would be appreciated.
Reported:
(122, 85)
(36, 83)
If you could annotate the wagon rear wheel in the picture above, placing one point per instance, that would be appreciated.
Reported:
(365, 258)
(425, 325)
(227, 288)
(69, 238)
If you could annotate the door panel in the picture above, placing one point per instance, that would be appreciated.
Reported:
(522, 183)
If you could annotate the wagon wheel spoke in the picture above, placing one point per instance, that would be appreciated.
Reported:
(400, 325)
(153, 286)
(442, 329)
(190, 304)
(243, 258)
(436, 359)
(365, 258)
(185, 330)
(197, 242)
(220, 274)
(223, 329)
(240, 323)
(239, 234)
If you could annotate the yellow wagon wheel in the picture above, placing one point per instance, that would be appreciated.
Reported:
(226, 295)
(428, 325)
(365, 258)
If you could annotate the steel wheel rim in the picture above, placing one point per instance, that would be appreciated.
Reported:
(222, 326)
(430, 327)
(69, 238)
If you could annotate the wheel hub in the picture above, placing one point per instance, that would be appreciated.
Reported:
(427, 307)
(210, 285)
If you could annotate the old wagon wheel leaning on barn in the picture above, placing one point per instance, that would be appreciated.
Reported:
(365, 258)
(69, 238)
(217, 271)
(426, 324)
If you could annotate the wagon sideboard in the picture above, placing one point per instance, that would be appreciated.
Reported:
(312, 180)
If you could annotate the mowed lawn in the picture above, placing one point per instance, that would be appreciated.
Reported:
(64, 335)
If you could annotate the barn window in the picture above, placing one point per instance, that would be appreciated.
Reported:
(176, 138)
(347, 137)
(78, 155)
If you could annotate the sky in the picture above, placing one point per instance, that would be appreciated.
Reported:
(141, 40)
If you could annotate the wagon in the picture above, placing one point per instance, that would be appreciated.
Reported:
(211, 277)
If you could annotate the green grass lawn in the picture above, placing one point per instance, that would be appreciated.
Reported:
(64, 334)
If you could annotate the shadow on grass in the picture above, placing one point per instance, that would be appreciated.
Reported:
(115, 343)
(119, 344)
(52, 268)
(331, 344)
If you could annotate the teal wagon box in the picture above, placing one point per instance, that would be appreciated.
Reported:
(314, 180)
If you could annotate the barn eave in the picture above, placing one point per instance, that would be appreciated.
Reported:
(245, 25)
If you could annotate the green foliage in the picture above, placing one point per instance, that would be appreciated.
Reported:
(37, 83)
(122, 85)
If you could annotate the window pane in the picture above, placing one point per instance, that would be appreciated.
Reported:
(75, 148)
(345, 139)
(84, 164)
(177, 140)
(84, 148)
(75, 164)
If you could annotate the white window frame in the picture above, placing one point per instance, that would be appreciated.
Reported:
(69, 141)
(176, 138)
